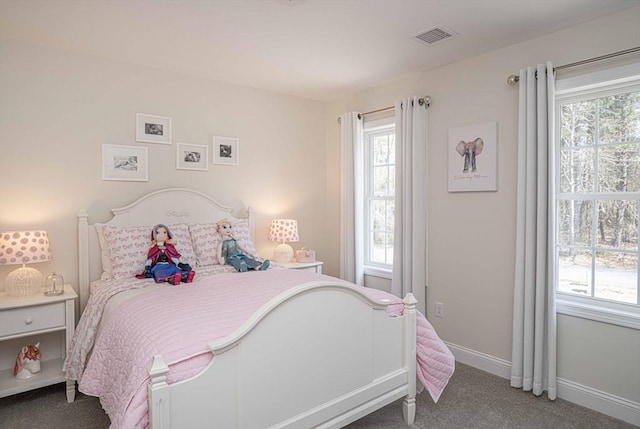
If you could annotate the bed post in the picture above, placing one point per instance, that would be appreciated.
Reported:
(252, 221)
(409, 403)
(159, 409)
(83, 258)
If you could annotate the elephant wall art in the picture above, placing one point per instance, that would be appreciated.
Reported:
(472, 163)
(470, 150)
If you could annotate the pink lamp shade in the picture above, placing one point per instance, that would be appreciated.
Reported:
(283, 231)
(24, 247)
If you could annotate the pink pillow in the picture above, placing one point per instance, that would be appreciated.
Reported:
(128, 247)
(183, 243)
(205, 241)
(243, 235)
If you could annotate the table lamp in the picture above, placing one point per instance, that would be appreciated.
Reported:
(283, 230)
(24, 247)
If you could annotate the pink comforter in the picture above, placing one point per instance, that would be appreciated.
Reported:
(116, 370)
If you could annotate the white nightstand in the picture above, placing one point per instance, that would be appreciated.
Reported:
(31, 319)
(315, 267)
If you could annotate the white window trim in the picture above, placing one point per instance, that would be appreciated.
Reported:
(371, 270)
(604, 311)
(377, 270)
(592, 308)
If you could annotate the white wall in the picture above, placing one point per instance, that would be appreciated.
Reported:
(472, 235)
(58, 108)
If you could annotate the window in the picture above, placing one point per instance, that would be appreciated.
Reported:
(379, 182)
(597, 181)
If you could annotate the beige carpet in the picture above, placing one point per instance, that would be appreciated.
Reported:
(473, 399)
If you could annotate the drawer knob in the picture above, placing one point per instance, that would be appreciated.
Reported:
(28, 321)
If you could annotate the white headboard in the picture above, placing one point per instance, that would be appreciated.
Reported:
(172, 205)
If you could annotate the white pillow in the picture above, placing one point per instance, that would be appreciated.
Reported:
(128, 247)
(104, 252)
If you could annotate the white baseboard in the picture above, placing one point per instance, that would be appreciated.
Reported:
(602, 402)
(490, 364)
(597, 400)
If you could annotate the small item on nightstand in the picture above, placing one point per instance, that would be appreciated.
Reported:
(28, 362)
(54, 285)
(305, 255)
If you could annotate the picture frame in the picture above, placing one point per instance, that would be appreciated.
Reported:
(473, 158)
(226, 150)
(192, 157)
(126, 163)
(153, 128)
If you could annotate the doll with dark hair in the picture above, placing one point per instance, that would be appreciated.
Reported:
(163, 259)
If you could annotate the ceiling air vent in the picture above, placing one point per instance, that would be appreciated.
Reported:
(435, 35)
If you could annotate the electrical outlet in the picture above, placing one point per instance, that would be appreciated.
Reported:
(439, 309)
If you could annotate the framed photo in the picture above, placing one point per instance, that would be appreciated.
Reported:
(129, 163)
(473, 158)
(192, 157)
(226, 150)
(153, 129)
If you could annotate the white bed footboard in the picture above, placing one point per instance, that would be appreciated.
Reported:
(320, 355)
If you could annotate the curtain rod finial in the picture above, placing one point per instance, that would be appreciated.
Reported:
(425, 101)
(512, 80)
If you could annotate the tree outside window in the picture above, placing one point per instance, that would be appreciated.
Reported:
(598, 195)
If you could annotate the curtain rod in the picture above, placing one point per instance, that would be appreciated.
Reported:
(513, 79)
(424, 101)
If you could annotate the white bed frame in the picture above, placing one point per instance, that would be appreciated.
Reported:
(319, 355)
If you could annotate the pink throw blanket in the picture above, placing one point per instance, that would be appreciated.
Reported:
(144, 325)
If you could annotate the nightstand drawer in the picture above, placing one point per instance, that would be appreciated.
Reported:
(312, 269)
(27, 319)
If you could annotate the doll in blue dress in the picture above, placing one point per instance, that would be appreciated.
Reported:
(230, 252)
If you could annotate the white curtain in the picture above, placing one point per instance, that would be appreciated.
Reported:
(352, 199)
(533, 361)
(410, 232)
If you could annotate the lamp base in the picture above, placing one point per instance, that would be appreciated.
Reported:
(23, 282)
(283, 253)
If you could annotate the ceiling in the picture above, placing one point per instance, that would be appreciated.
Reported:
(317, 49)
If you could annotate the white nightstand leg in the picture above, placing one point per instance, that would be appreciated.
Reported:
(71, 323)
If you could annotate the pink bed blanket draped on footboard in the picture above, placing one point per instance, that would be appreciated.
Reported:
(155, 322)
